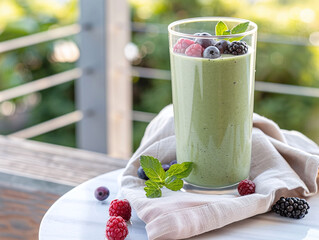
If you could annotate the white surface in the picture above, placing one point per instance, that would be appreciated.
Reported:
(79, 216)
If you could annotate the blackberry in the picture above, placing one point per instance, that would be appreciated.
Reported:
(238, 48)
(292, 207)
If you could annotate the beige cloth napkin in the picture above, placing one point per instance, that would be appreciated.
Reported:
(284, 163)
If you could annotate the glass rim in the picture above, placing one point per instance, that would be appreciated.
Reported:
(210, 19)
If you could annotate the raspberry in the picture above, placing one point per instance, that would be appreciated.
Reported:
(116, 229)
(194, 50)
(182, 44)
(246, 187)
(120, 208)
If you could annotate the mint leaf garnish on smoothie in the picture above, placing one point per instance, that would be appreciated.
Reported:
(222, 29)
(240, 28)
(171, 179)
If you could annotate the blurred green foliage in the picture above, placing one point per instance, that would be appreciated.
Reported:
(289, 21)
(24, 17)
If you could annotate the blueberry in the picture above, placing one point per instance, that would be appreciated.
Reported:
(141, 174)
(102, 193)
(222, 45)
(165, 167)
(173, 162)
(211, 52)
(196, 34)
(204, 42)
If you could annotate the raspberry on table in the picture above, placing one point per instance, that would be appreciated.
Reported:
(194, 50)
(116, 229)
(120, 208)
(181, 45)
(246, 187)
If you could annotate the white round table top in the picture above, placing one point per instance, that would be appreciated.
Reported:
(77, 215)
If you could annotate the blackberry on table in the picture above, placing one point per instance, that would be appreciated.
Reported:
(237, 48)
(292, 207)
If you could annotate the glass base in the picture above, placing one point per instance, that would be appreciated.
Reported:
(229, 190)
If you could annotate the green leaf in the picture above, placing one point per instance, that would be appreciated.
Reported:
(174, 183)
(227, 32)
(240, 28)
(220, 28)
(152, 189)
(153, 169)
(180, 170)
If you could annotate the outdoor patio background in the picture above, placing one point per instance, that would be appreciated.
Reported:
(287, 53)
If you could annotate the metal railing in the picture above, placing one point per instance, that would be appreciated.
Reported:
(43, 83)
(149, 73)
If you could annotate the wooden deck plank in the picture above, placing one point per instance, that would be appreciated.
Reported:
(53, 163)
(22, 206)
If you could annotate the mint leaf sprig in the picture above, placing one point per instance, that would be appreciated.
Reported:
(222, 29)
(158, 178)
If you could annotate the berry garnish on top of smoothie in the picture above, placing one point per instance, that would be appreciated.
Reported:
(213, 48)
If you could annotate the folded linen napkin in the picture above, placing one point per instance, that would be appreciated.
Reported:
(284, 163)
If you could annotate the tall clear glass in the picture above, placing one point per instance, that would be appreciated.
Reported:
(213, 101)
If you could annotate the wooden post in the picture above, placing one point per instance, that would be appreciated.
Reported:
(104, 92)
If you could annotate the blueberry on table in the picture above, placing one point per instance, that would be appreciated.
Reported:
(102, 193)
(173, 162)
(165, 167)
(141, 174)
(211, 52)
(204, 42)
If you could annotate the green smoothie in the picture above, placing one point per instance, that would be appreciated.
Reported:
(213, 105)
